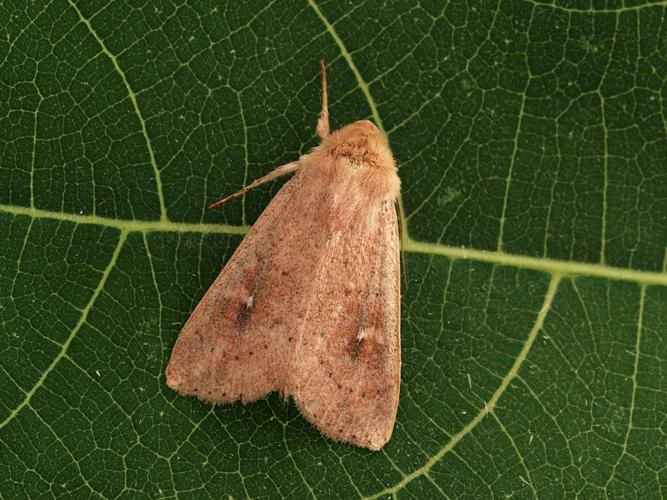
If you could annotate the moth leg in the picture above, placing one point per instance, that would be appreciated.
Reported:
(323, 121)
(278, 172)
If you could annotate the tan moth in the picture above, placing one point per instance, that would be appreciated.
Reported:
(309, 304)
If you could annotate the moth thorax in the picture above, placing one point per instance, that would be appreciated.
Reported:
(361, 150)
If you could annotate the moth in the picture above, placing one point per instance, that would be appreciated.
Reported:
(309, 303)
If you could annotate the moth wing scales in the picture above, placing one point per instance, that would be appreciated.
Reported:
(237, 342)
(345, 372)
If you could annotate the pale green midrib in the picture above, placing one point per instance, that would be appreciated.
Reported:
(65, 346)
(491, 404)
(135, 106)
(143, 226)
(551, 266)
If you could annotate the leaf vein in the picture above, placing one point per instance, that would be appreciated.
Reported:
(490, 405)
(135, 105)
(73, 333)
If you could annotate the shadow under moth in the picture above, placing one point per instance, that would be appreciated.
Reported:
(309, 303)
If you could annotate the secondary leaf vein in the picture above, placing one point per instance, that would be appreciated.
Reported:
(135, 105)
(82, 320)
(491, 404)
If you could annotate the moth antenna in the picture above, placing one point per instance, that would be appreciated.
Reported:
(274, 174)
(323, 121)
(404, 261)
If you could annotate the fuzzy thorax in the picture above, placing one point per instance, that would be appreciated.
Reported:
(361, 150)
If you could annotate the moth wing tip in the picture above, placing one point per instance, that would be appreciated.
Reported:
(373, 442)
(377, 441)
(174, 379)
(375, 446)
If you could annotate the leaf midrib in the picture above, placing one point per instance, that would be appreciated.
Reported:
(550, 266)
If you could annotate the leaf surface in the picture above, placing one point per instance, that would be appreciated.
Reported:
(532, 143)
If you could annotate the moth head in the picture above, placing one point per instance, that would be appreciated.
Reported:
(361, 142)
(358, 151)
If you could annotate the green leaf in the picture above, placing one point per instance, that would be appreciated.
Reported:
(532, 143)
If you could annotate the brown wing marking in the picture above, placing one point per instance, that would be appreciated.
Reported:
(345, 373)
